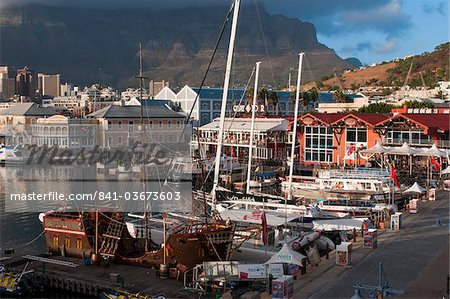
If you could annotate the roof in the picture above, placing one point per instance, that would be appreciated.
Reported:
(244, 124)
(115, 111)
(217, 93)
(433, 121)
(326, 118)
(370, 119)
(28, 109)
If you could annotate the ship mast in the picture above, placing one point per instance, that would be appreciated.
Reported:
(294, 135)
(141, 100)
(252, 128)
(226, 84)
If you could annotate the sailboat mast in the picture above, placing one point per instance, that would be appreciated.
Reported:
(226, 84)
(294, 133)
(141, 100)
(252, 127)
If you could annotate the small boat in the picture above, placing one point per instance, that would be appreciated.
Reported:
(11, 156)
(14, 284)
(264, 180)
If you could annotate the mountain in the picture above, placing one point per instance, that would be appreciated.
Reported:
(431, 67)
(101, 45)
(354, 61)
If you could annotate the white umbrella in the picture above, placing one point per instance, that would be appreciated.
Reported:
(433, 151)
(405, 149)
(446, 171)
(415, 189)
(376, 149)
(287, 255)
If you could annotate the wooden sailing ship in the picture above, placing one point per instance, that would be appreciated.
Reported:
(105, 236)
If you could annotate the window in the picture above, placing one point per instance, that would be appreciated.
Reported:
(119, 140)
(161, 138)
(160, 124)
(110, 141)
(55, 240)
(178, 124)
(318, 144)
(151, 124)
(416, 137)
(67, 242)
(357, 137)
(119, 125)
(79, 243)
(169, 124)
(131, 126)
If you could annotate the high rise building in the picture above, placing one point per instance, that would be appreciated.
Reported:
(7, 84)
(26, 83)
(49, 85)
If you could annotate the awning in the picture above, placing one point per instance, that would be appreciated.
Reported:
(338, 224)
(433, 151)
(287, 255)
(376, 149)
(254, 216)
(415, 189)
(446, 171)
(405, 149)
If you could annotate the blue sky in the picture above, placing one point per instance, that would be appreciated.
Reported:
(371, 30)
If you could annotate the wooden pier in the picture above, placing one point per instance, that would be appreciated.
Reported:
(59, 273)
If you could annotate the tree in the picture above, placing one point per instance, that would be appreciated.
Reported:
(250, 93)
(379, 107)
(305, 100)
(273, 100)
(314, 95)
(340, 97)
(418, 105)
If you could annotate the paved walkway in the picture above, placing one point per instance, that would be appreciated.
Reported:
(414, 259)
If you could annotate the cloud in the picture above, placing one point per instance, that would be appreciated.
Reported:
(440, 8)
(387, 47)
(359, 47)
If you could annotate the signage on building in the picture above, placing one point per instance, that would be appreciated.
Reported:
(308, 121)
(248, 108)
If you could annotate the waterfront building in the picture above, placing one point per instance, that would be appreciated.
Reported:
(64, 132)
(49, 85)
(335, 138)
(120, 124)
(209, 102)
(269, 138)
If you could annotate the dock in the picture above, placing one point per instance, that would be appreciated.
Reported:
(73, 276)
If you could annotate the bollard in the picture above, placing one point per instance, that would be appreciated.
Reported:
(303, 272)
(327, 252)
(122, 281)
(354, 234)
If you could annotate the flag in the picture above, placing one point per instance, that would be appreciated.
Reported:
(265, 232)
(435, 163)
(394, 176)
(350, 152)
